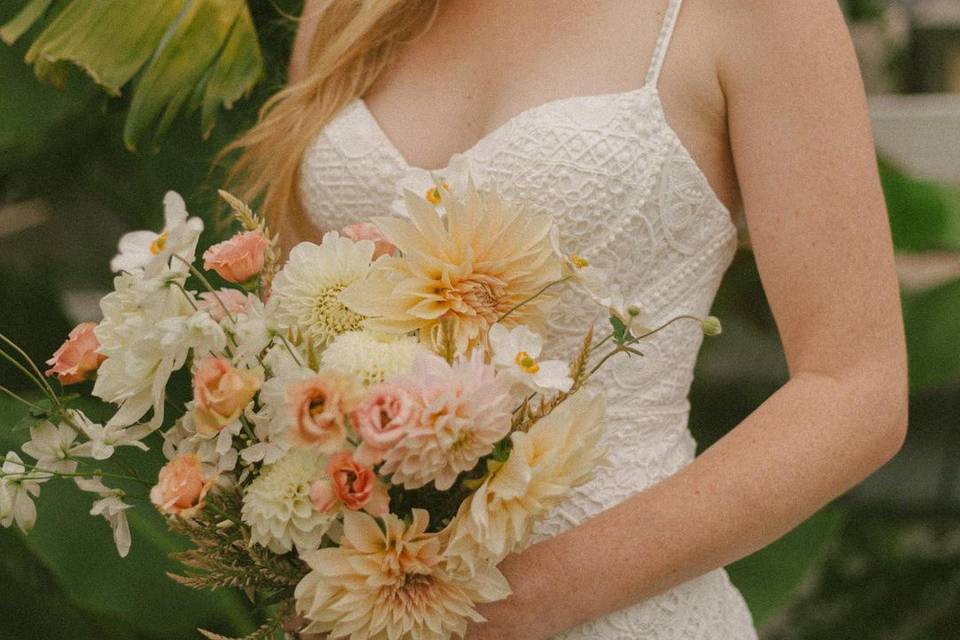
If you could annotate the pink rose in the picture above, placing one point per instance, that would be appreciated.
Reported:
(181, 486)
(220, 393)
(382, 419)
(317, 408)
(234, 300)
(352, 484)
(77, 358)
(238, 259)
(368, 231)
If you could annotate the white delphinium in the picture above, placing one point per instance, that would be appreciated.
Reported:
(112, 507)
(152, 252)
(372, 357)
(253, 331)
(18, 487)
(272, 422)
(216, 452)
(515, 355)
(277, 505)
(305, 294)
(147, 331)
(52, 446)
(103, 440)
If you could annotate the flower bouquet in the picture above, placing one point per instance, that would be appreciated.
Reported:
(372, 427)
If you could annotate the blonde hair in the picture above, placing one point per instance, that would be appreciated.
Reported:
(353, 42)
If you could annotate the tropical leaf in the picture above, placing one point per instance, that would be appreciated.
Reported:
(932, 320)
(189, 54)
(78, 552)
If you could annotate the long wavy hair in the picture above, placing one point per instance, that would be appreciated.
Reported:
(353, 42)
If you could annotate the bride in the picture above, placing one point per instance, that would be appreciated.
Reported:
(643, 127)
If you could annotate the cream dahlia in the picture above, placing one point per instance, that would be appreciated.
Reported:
(482, 260)
(391, 584)
(305, 294)
(372, 357)
(277, 504)
(558, 453)
(464, 412)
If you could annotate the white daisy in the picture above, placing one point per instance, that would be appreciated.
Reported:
(306, 292)
(515, 353)
(151, 251)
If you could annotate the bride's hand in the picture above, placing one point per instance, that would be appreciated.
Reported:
(521, 615)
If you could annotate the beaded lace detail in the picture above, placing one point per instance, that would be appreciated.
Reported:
(625, 192)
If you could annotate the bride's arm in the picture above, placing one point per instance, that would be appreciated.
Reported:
(804, 154)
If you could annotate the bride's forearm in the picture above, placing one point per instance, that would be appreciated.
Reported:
(813, 439)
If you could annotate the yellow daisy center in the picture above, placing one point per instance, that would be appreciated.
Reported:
(157, 245)
(527, 363)
(579, 261)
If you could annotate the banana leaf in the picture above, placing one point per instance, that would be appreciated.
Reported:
(169, 51)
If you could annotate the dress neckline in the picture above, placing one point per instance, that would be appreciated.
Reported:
(647, 88)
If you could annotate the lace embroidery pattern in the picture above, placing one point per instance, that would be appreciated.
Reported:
(624, 191)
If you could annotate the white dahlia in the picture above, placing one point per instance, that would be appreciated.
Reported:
(277, 504)
(306, 292)
(391, 583)
(558, 453)
(464, 412)
(469, 269)
(372, 357)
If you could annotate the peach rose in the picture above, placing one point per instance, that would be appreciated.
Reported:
(352, 485)
(317, 408)
(368, 231)
(181, 486)
(382, 419)
(238, 259)
(234, 300)
(220, 393)
(77, 358)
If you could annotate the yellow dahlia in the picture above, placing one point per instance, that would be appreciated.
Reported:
(558, 453)
(391, 584)
(481, 260)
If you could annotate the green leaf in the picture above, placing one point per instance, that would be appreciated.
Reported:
(238, 68)
(198, 42)
(78, 551)
(923, 215)
(109, 39)
(21, 23)
(769, 578)
(932, 321)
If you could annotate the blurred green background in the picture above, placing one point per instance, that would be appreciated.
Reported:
(81, 163)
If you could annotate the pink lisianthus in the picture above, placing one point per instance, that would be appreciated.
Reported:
(220, 393)
(382, 419)
(368, 231)
(181, 486)
(317, 408)
(238, 259)
(77, 358)
(234, 300)
(352, 484)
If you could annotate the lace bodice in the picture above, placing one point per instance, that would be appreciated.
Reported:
(625, 192)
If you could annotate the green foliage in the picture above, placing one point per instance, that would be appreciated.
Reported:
(73, 553)
(924, 215)
(932, 320)
(190, 53)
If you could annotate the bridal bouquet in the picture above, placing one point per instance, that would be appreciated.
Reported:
(372, 427)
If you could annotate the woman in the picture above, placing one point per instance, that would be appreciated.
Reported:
(745, 106)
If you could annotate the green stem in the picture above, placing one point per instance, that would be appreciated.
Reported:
(41, 384)
(33, 365)
(56, 474)
(33, 406)
(533, 297)
(206, 283)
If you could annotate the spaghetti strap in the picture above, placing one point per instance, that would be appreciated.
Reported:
(663, 41)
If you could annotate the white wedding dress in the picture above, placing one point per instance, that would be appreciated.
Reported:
(625, 192)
